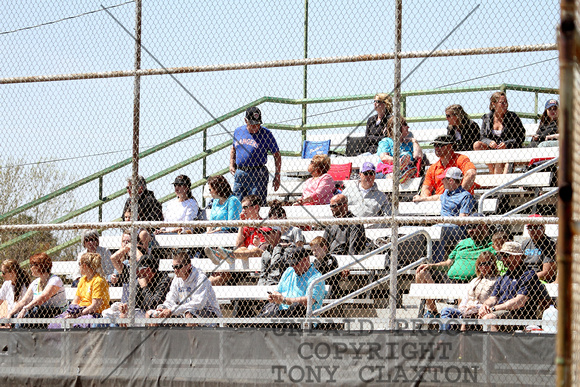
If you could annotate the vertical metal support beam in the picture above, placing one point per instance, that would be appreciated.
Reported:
(101, 198)
(204, 163)
(305, 82)
(135, 164)
(566, 124)
(403, 106)
(396, 166)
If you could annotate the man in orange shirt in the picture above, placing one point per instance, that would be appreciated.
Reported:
(433, 184)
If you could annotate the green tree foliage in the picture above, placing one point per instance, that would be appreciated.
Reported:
(20, 184)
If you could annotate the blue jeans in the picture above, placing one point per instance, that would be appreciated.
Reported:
(251, 182)
(450, 313)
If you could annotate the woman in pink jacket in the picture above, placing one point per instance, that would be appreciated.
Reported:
(320, 187)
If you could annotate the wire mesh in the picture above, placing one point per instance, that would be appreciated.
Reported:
(293, 179)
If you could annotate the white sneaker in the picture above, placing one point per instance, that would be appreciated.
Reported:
(212, 255)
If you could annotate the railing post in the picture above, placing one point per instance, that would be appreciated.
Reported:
(536, 106)
(101, 199)
(403, 106)
(204, 163)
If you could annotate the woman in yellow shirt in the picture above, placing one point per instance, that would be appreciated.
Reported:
(92, 295)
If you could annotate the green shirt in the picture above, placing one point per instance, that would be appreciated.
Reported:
(464, 256)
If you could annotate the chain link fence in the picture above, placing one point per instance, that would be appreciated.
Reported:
(288, 166)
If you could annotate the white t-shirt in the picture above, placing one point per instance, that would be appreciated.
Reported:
(180, 211)
(58, 300)
(7, 294)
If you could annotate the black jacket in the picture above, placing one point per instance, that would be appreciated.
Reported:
(543, 131)
(346, 239)
(154, 293)
(149, 208)
(470, 133)
(513, 134)
(375, 133)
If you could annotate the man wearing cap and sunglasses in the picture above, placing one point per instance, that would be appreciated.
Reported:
(455, 201)
(190, 295)
(433, 184)
(248, 157)
(364, 197)
(518, 294)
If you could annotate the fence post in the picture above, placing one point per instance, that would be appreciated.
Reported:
(135, 162)
(568, 47)
(305, 81)
(396, 167)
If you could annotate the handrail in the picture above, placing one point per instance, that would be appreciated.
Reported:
(524, 175)
(121, 192)
(310, 290)
(532, 202)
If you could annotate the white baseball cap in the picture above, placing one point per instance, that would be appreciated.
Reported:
(454, 173)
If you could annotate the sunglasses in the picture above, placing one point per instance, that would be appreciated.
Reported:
(177, 267)
(248, 206)
(378, 101)
(368, 173)
(335, 205)
(449, 115)
(487, 263)
(439, 145)
(536, 227)
(180, 184)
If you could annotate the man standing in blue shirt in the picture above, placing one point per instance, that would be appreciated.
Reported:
(290, 300)
(249, 155)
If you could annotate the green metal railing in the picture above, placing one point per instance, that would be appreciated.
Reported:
(303, 128)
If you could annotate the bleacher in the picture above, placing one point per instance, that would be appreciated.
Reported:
(295, 171)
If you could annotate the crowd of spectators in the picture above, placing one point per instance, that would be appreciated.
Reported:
(505, 278)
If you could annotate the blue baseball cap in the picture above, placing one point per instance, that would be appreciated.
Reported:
(550, 103)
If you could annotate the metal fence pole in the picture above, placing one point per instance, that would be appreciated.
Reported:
(305, 82)
(564, 346)
(135, 164)
(396, 166)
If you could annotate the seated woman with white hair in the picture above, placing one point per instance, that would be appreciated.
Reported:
(90, 241)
